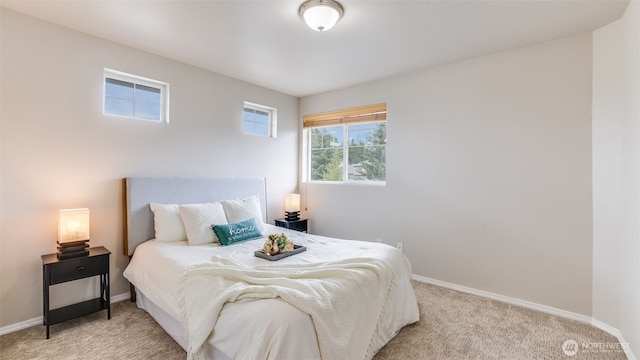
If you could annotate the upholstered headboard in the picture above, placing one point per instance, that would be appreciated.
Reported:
(139, 192)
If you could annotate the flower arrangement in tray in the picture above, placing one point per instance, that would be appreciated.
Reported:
(277, 244)
(278, 247)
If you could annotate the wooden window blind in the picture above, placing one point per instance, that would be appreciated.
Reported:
(361, 114)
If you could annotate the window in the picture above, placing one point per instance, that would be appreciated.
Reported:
(135, 97)
(259, 120)
(356, 137)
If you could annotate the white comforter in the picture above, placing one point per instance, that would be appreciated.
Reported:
(246, 330)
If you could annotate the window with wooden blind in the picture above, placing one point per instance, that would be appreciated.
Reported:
(347, 145)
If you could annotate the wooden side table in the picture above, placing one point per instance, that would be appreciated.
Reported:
(56, 271)
(298, 225)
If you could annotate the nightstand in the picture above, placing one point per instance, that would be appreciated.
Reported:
(56, 271)
(298, 225)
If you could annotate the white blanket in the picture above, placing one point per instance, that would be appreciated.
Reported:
(330, 292)
(252, 330)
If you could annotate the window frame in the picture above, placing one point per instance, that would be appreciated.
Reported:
(341, 118)
(272, 122)
(142, 81)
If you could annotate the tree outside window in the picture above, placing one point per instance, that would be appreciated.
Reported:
(364, 152)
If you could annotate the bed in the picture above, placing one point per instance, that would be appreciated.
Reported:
(338, 299)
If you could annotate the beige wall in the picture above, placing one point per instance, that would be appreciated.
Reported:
(488, 173)
(59, 151)
(616, 175)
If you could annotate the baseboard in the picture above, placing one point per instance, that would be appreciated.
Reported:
(38, 321)
(533, 306)
(615, 332)
(121, 297)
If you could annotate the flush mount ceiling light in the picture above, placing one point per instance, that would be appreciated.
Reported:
(321, 15)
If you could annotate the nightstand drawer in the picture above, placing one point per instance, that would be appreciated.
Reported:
(297, 225)
(79, 268)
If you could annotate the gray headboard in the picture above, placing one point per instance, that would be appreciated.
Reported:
(139, 192)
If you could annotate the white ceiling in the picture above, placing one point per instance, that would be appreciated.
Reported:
(266, 43)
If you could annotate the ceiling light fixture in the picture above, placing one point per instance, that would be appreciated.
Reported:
(321, 15)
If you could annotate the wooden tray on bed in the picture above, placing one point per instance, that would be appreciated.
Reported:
(296, 250)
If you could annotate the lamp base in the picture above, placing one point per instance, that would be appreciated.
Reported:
(292, 215)
(73, 249)
(70, 255)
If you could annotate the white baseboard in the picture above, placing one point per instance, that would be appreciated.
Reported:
(531, 305)
(21, 325)
(38, 321)
(506, 299)
(615, 332)
(121, 297)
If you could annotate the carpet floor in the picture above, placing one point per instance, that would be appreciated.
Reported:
(453, 325)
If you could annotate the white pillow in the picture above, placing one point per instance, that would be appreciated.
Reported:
(198, 219)
(238, 210)
(168, 223)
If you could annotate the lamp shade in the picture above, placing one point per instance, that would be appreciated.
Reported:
(73, 225)
(321, 15)
(292, 203)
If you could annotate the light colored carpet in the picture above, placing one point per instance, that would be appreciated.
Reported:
(453, 325)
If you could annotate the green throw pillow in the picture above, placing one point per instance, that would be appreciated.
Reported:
(238, 232)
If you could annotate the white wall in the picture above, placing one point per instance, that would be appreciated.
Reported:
(616, 175)
(59, 151)
(488, 173)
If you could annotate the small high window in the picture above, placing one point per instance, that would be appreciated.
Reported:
(135, 97)
(259, 120)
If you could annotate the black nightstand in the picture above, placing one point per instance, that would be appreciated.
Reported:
(56, 271)
(298, 225)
